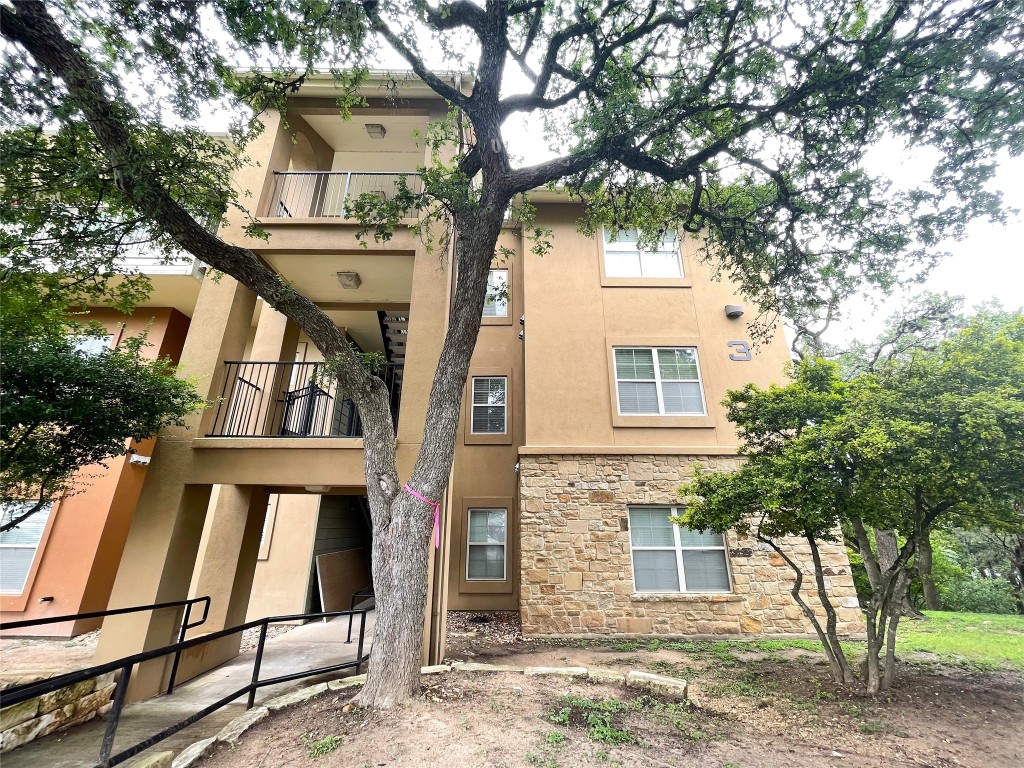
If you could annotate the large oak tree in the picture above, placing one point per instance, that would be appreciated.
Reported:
(744, 123)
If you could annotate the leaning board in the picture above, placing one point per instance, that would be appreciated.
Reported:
(340, 575)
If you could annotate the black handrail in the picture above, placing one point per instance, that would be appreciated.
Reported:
(20, 693)
(186, 625)
(365, 592)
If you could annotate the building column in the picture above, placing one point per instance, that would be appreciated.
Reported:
(160, 552)
(225, 565)
(276, 340)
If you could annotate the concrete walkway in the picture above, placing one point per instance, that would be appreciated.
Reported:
(312, 645)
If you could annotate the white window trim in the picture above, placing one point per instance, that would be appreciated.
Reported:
(494, 301)
(665, 246)
(504, 543)
(473, 406)
(657, 384)
(679, 550)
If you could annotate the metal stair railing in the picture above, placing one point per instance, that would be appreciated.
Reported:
(18, 694)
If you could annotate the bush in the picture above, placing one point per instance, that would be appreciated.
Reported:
(979, 596)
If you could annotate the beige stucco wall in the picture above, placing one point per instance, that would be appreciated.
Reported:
(574, 316)
(577, 570)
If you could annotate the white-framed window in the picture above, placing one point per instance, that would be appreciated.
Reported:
(488, 536)
(489, 405)
(92, 345)
(623, 257)
(668, 558)
(18, 545)
(658, 381)
(496, 298)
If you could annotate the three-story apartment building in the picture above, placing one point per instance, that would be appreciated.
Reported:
(594, 390)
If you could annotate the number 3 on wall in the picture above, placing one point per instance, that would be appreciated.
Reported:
(742, 352)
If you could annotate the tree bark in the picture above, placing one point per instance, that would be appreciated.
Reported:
(923, 561)
(888, 552)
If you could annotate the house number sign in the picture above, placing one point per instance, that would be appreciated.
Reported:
(742, 352)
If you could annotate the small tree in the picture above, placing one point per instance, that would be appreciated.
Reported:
(63, 407)
(935, 438)
(742, 123)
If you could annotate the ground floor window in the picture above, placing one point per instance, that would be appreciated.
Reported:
(669, 558)
(487, 544)
(18, 545)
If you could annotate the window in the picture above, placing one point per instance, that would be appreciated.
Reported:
(670, 387)
(92, 345)
(18, 545)
(488, 417)
(485, 558)
(496, 299)
(667, 558)
(623, 257)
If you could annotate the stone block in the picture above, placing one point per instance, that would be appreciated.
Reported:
(666, 686)
(231, 732)
(573, 582)
(18, 713)
(296, 697)
(606, 676)
(561, 671)
(194, 753)
(601, 497)
(49, 702)
(24, 733)
(472, 666)
(94, 700)
(436, 669)
(750, 625)
(60, 718)
(346, 682)
(157, 760)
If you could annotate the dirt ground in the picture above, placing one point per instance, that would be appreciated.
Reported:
(751, 705)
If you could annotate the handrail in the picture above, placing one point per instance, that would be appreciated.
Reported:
(186, 624)
(328, 194)
(365, 592)
(18, 694)
(110, 612)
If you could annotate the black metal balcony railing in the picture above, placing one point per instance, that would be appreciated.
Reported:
(326, 194)
(283, 399)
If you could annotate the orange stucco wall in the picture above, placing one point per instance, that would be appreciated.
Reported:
(80, 550)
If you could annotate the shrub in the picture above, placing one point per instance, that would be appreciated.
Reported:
(979, 596)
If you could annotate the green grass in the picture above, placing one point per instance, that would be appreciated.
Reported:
(322, 746)
(986, 640)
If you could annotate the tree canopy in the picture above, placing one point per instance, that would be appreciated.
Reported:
(68, 399)
(745, 124)
(931, 437)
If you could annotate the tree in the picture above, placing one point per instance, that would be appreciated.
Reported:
(936, 438)
(744, 124)
(63, 407)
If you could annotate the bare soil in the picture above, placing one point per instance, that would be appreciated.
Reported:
(748, 707)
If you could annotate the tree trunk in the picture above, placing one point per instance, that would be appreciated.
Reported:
(888, 551)
(923, 562)
(1017, 572)
(400, 558)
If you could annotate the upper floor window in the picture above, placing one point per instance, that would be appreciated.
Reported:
(496, 298)
(92, 345)
(623, 256)
(668, 558)
(19, 544)
(658, 381)
(489, 405)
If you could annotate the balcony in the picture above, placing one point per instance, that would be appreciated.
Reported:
(285, 399)
(326, 194)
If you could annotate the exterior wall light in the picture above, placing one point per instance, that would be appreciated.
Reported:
(350, 280)
(734, 310)
(376, 130)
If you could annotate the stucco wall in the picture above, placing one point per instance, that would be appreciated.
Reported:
(577, 571)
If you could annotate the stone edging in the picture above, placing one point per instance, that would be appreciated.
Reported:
(230, 733)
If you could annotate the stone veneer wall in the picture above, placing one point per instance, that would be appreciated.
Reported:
(54, 711)
(577, 570)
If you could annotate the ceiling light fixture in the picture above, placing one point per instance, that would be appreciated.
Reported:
(376, 130)
(350, 280)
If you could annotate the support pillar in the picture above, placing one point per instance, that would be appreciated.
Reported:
(160, 552)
